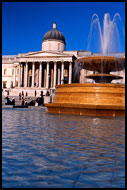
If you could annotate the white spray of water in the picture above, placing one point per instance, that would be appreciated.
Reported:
(109, 36)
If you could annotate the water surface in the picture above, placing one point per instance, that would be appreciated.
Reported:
(47, 150)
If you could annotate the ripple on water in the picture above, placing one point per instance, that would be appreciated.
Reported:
(48, 150)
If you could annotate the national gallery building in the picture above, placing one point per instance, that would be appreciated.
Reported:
(43, 70)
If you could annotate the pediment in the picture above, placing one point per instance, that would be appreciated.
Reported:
(44, 54)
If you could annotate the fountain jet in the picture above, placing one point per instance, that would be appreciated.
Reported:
(106, 63)
(109, 37)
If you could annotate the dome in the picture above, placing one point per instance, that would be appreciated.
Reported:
(54, 34)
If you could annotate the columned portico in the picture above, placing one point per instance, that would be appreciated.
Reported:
(45, 74)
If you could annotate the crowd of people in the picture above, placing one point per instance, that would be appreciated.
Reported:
(37, 102)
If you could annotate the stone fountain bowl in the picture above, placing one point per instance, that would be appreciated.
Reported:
(103, 78)
(89, 99)
(102, 64)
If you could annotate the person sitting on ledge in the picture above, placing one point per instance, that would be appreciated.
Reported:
(22, 103)
(36, 103)
(25, 102)
(13, 101)
(35, 93)
(47, 93)
(7, 101)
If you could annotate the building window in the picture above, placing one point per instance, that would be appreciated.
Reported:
(5, 84)
(5, 71)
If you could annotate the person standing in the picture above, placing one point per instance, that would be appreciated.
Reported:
(35, 93)
(25, 102)
(20, 96)
(22, 93)
(42, 98)
(22, 103)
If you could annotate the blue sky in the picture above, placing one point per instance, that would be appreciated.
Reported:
(25, 23)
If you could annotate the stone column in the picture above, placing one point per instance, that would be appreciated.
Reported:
(55, 68)
(19, 82)
(26, 75)
(33, 74)
(38, 78)
(14, 78)
(22, 75)
(47, 76)
(52, 77)
(58, 76)
(70, 72)
(40, 75)
(62, 73)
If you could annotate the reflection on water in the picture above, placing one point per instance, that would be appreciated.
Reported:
(46, 150)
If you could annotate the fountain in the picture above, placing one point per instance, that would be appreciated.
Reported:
(102, 98)
(103, 65)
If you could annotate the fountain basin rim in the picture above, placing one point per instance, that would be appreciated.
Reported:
(91, 85)
(97, 99)
(89, 106)
(100, 57)
(102, 63)
(105, 75)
